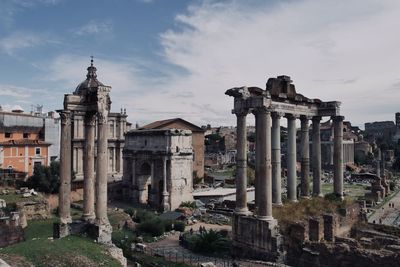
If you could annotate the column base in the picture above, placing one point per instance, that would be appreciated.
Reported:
(89, 218)
(242, 212)
(265, 218)
(61, 230)
(279, 204)
(318, 195)
(293, 200)
(103, 233)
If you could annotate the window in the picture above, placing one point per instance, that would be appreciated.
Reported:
(7, 135)
(37, 151)
(26, 135)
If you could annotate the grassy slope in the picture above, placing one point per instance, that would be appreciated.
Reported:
(70, 251)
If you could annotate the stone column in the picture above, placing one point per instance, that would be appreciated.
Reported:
(378, 164)
(305, 157)
(165, 200)
(135, 195)
(276, 159)
(291, 159)
(102, 167)
(88, 168)
(257, 162)
(338, 155)
(65, 168)
(241, 164)
(316, 155)
(265, 183)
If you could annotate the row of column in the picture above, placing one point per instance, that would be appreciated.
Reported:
(268, 160)
(94, 190)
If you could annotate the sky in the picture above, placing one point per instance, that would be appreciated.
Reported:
(176, 58)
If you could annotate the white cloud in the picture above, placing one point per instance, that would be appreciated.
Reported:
(95, 27)
(332, 50)
(22, 40)
(14, 91)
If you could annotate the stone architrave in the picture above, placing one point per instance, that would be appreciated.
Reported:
(65, 168)
(88, 168)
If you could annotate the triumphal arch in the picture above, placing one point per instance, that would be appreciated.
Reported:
(92, 101)
(256, 235)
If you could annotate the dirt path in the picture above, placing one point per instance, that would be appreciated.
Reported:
(386, 214)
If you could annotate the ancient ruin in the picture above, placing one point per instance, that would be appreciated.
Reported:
(257, 235)
(90, 100)
(158, 167)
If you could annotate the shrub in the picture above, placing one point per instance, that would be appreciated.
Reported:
(130, 211)
(179, 226)
(154, 227)
(143, 216)
(168, 225)
(188, 204)
(209, 242)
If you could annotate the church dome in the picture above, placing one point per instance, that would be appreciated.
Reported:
(90, 82)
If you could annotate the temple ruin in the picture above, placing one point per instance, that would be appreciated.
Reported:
(91, 101)
(257, 236)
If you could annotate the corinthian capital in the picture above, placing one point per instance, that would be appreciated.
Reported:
(65, 116)
(102, 117)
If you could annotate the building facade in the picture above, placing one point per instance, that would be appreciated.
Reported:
(158, 167)
(117, 127)
(197, 139)
(27, 140)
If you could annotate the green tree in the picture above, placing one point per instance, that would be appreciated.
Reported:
(46, 178)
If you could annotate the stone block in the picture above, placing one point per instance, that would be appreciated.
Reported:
(60, 230)
(329, 227)
(315, 231)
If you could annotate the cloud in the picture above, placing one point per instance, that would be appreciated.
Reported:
(350, 46)
(14, 91)
(94, 27)
(22, 40)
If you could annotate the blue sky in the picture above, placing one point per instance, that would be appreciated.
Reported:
(176, 58)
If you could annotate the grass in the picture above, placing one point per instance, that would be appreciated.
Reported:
(353, 191)
(41, 250)
(15, 198)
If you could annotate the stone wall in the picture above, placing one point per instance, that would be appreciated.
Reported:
(35, 209)
(10, 234)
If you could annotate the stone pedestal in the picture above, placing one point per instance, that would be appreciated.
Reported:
(315, 231)
(329, 227)
(255, 239)
(61, 230)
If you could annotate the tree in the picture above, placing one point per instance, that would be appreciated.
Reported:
(46, 178)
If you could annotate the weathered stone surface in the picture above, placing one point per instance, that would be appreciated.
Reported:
(10, 234)
(117, 254)
(35, 210)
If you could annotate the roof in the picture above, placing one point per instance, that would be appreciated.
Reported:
(163, 124)
(24, 142)
(90, 82)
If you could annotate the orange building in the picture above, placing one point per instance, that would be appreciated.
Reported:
(21, 148)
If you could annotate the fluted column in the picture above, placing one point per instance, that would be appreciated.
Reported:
(316, 155)
(102, 167)
(338, 155)
(64, 210)
(291, 159)
(88, 168)
(305, 157)
(276, 159)
(241, 164)
(165, 201)
(265, 183)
